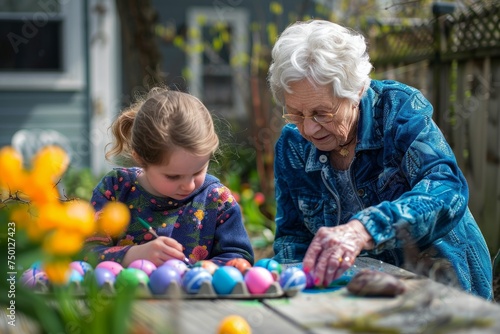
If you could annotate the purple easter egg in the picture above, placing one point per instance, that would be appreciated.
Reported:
(225, 279)
(194, 278)
(178, 265)
(32, 276)
(104, 275)
(145, 265)
(115, 267)
(258, 280)
(161, 278)
(82, 267)
(293, 278)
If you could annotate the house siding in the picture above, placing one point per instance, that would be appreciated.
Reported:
(66, 112)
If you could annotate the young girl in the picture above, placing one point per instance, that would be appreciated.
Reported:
(170, 136)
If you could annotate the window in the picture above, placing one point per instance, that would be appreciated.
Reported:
(218, 70)
(41, 44)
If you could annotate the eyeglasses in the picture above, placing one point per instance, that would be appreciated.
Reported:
(322, 118)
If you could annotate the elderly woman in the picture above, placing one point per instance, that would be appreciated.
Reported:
(361, 163)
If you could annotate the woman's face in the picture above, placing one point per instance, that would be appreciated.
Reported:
(183, 174)
(308, 100)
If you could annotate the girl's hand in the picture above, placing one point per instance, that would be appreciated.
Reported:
(157, 251)
(334, 249)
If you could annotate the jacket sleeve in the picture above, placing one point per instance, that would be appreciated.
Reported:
(292, 237)
(438, 194)
(231, 239)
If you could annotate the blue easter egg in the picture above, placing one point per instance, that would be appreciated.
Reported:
(225, 279)
(75, 276)
(194, 278)
(293, 278)
(104, 275)
(82, 267)
(269, 264)
(161, 278)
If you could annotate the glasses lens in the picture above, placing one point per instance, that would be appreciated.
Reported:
(293, 118)
(323, 118)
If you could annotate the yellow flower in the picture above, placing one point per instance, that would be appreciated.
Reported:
(57, 271)
(114, 218)
(62, 242)
(199, 214)
(50, 162)
(11, 165)
(80, 217)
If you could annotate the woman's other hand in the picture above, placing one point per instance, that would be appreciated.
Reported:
(157, 251)
(334, 249)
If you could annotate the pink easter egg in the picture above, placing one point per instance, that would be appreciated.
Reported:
(258, 280)
(81, 266)
(145, 265)
(113, 266)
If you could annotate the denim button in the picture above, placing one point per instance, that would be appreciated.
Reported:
(361, 192)
(323, 158)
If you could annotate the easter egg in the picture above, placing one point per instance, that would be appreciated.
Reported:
(225, 278)
(82, 267)
(104, 275)
(234, 324)
(115, 267)
(272, 265)
(258, 280)
(178, 265)
(75, 276)
(194, 278)
(145, 265)
(130, 278)
(293, 278)
(32, 276)
(239, 263)
(208, 265)
(161, 278)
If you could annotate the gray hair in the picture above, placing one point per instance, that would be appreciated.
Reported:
(323, 52)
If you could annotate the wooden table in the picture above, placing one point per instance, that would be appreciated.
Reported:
(426, 307)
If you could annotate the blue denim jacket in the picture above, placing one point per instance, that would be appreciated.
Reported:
(403, 173)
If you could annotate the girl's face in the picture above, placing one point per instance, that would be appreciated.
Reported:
(308, 100)
(183, 174)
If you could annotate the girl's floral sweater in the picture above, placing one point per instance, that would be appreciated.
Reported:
(208, 223)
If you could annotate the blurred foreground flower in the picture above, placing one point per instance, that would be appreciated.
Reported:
(49, 229)
(59, 226)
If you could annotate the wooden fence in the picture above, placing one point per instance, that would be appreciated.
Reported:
(454, 60)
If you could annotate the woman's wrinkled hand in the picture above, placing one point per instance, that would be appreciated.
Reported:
(157, 251)
(334, 249)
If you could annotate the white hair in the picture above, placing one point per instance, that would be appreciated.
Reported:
(323, 52)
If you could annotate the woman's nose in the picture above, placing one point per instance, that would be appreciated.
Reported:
(310, 126)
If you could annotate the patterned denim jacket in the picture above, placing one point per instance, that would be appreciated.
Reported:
(404, 174)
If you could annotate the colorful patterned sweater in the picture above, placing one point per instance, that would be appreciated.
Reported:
(208, 223)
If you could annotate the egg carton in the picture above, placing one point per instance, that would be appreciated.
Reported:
(175, 291)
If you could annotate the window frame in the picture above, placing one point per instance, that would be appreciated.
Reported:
(72, 75)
